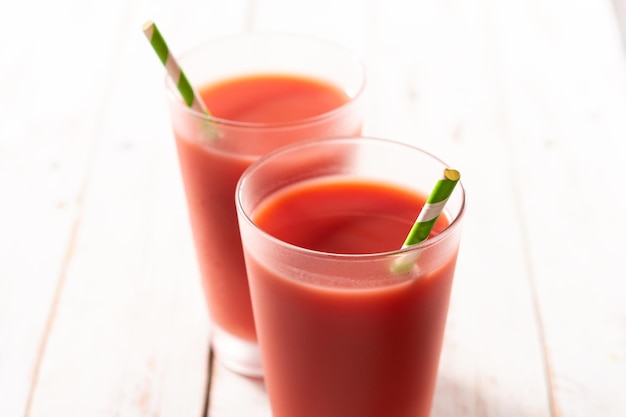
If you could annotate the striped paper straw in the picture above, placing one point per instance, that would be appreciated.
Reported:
(433, 207)
(427, 218)
(174, 71)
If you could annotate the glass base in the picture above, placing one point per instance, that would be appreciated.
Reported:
(238, 355)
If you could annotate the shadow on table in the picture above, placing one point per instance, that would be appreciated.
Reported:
(233, 395)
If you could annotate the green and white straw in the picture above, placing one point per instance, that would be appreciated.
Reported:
(174, 71)
(428, 217)
(432, 209)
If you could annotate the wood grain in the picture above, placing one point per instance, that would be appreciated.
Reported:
(101, 312)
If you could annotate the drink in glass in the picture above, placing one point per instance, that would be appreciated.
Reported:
(263, 91)
(342, 330)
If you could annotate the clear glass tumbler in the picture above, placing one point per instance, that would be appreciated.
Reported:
(343, 330)
(214, 150)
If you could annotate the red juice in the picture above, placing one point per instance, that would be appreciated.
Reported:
(254, 114)
(331, 345)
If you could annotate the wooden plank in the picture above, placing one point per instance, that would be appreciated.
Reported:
(130, 336)
(47, 138)
(566, 100)
(620, 15)
(345, 22)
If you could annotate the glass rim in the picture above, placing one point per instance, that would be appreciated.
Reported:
(174, 96)
(443, 235)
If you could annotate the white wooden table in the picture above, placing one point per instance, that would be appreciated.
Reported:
(101, 312)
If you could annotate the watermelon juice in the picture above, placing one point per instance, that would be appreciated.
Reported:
(251, 114)
(342, 334)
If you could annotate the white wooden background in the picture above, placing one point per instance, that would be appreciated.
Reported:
(101, 311)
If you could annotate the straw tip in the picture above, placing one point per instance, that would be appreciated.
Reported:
(148, 25)
(451, 174)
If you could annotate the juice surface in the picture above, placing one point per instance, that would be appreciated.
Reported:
(343, 217)
(337, 352)
(271, 98)
(210, 177)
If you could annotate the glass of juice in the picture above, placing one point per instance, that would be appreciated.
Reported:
(345, 326)
(263, 91)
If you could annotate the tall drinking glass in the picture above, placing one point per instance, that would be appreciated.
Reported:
(263, 91)
(346, 327)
